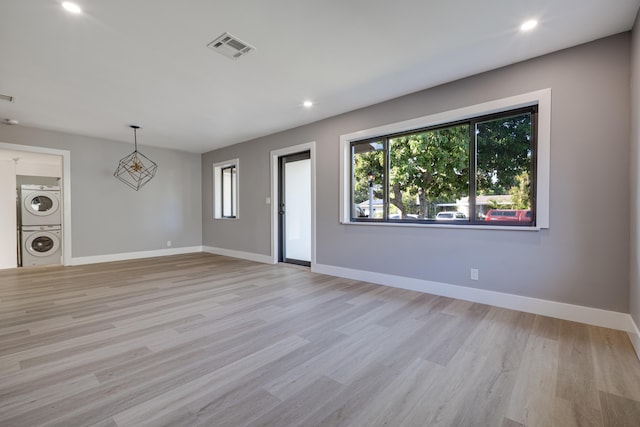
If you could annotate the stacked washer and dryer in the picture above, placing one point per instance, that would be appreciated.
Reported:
(40, 219)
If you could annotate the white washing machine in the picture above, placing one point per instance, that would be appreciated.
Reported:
(41, 245)
(40, 205)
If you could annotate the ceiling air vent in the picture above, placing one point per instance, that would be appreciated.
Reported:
(230, 46)
(6, 97)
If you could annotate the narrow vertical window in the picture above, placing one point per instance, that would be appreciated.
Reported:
(225, 189)
(504, 169)
(228, 179)
(368, 192)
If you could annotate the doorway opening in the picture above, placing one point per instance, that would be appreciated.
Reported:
(294, 208)
(37, 232)
(293, 205)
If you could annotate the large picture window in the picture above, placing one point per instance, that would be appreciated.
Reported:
(477, 171)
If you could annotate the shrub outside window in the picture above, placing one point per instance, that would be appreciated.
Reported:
(479, 171)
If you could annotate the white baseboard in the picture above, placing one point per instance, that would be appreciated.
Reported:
(133, 255)
(250, 256)
(576, 313)
(634, 336)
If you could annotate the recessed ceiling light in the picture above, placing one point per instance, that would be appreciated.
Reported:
(529, 25)
(307, 104)
(71, 7)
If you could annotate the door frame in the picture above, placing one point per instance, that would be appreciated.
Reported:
(273, 200)
(66, 191)
(282, 219)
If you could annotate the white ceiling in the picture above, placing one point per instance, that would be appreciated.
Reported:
(146, 61)
(30, 157)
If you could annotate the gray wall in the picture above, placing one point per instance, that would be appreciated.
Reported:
(107, 216)
(581, 259)
(634, 291)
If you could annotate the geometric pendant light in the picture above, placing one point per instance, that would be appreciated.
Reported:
(136, 169)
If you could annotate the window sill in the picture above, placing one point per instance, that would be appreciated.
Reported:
(447, 226)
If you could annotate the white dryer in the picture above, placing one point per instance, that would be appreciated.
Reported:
(41, 245)
(40, 205)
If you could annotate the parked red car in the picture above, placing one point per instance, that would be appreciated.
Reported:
(508, 215)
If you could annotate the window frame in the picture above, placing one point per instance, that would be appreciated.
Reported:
(472, 114)
(233, 175)
(218, 189)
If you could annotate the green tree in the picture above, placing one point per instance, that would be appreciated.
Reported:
(367, 158)
(424, 169)
(428, 168)
(521, 193)
(503, 153)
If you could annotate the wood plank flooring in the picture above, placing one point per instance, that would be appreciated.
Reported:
(204, 340)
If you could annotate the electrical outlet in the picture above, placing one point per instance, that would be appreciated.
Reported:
(168, 243)
(474, 274)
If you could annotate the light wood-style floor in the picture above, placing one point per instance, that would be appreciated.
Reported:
(204, 340)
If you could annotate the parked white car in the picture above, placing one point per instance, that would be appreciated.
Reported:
(409, 216)
(451, 216)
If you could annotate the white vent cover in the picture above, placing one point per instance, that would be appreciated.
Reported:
(230, 46)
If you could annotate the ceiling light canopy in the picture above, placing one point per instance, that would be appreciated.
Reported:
(71, 7)
(529, 25)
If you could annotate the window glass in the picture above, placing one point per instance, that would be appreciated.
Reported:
(428, 171)
(228, 191)
(225, 189)
(467, 172)
(368, 180)
(504, 166)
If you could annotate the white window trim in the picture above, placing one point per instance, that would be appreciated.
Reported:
(217, 188)
(542, 98)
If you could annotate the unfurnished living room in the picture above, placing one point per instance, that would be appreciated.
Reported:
(295, 213)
